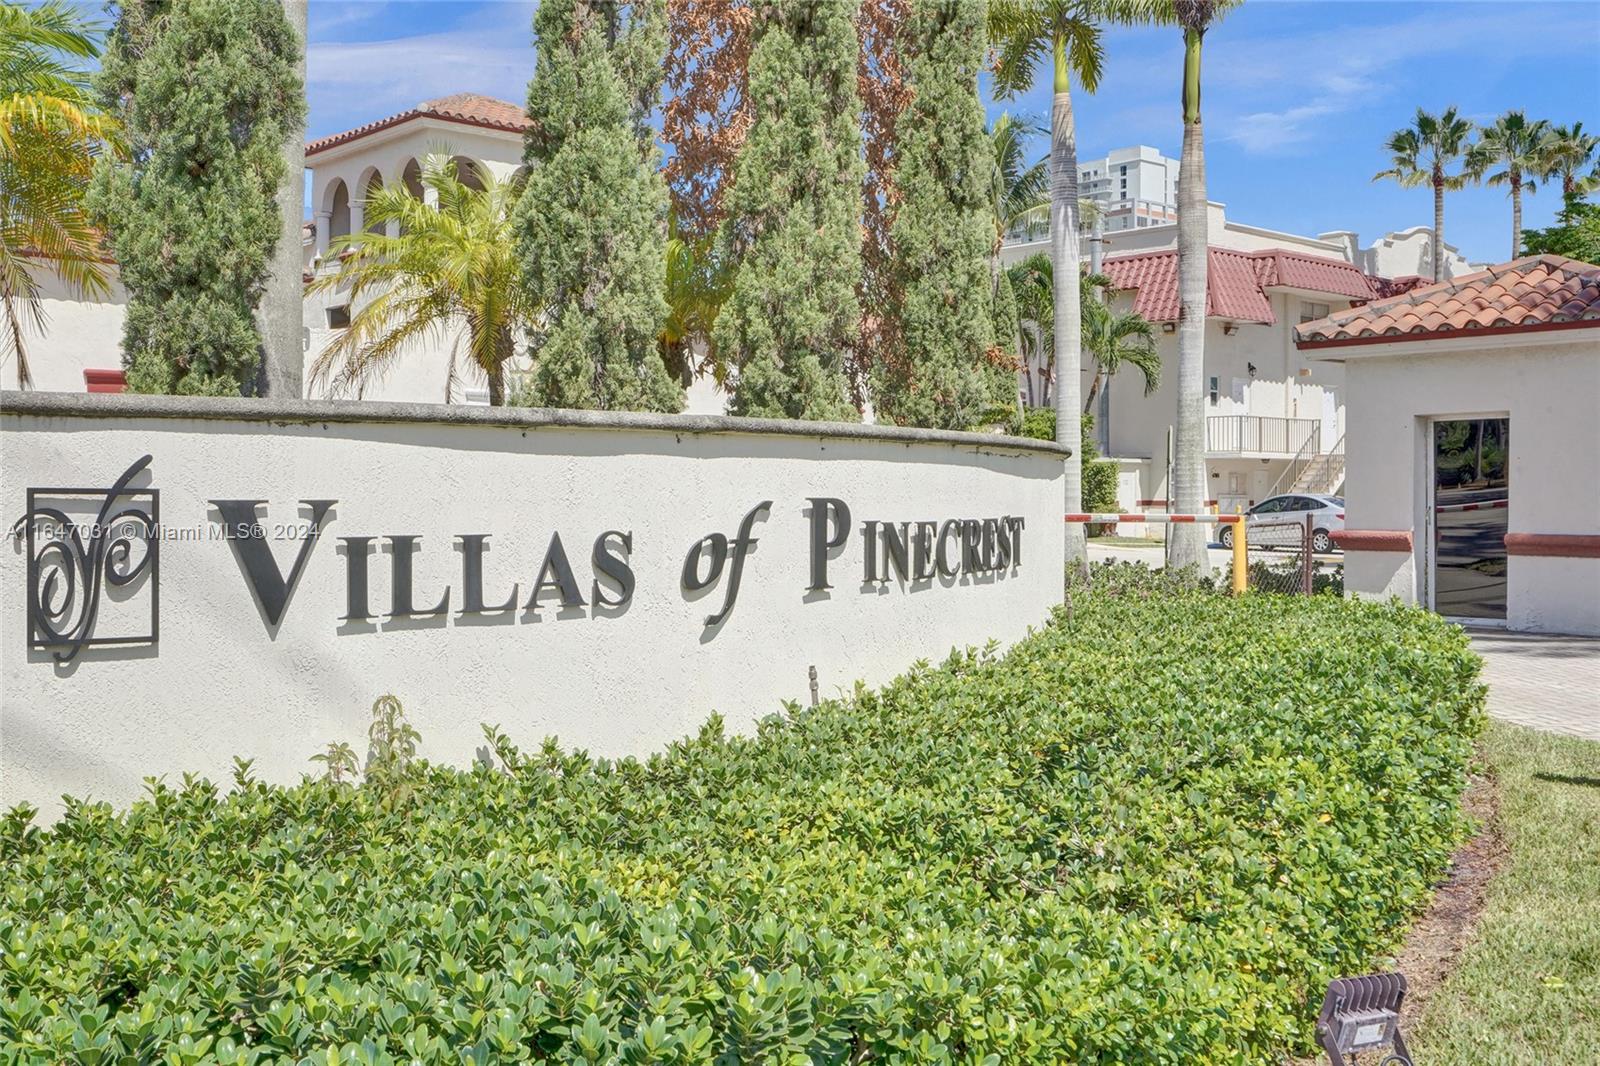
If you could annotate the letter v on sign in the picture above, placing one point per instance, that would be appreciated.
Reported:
(240, 527)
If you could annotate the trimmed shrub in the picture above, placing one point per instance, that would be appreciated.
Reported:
(1099, 475)
(1150, 834)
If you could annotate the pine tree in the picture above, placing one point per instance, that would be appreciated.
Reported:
(793, 222)
(208, 92)
(942, 232)
(591, 223)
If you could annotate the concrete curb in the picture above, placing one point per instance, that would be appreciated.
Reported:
(231, 409)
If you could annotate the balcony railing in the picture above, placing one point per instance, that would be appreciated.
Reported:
(1260, 434)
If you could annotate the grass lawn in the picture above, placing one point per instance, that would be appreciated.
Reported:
(1527, 987)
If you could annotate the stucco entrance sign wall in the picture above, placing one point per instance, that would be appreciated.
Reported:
(194, 580)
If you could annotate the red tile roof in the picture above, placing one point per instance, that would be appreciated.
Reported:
(1236, 282)
(1535, 292)
(1296, 270)
(471, 109)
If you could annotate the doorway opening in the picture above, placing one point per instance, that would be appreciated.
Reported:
(1468, 512)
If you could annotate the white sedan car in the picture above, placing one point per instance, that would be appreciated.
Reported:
(1291, 509)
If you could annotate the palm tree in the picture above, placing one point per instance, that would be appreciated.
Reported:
(1113, 338)
(1023, 33)
(1033, 282)
(1518, 147)
(1421, 154)
(449, 266)
(1568, 152)
(1188, 542)
(1021, 190)
(278, 316)
(50, 130)
(699, 281)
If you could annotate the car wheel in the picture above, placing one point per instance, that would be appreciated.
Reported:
(1321, 543)
(1225, 538)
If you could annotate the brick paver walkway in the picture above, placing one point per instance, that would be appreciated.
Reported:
(1546, 682)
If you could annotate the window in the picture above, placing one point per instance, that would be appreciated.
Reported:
(339, 317)
(1272, 506)
(1310, 312)
(1216, 386)
(1123, 170)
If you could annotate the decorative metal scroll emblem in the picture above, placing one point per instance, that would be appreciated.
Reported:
(73, 558)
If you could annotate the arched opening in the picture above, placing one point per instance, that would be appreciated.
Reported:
(469, 173)
(339, 210)
(373, 186)
(411, 178)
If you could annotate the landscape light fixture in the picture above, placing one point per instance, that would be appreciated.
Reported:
(1363, 1014)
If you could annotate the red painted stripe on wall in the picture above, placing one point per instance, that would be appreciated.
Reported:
(1373, 540)
(1554, 545)
(104, 381)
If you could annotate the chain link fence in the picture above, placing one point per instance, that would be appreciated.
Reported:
(1283, 557)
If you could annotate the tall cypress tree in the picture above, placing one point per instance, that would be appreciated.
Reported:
(591, 222)
(793, 222)
(942, 375)
(207, 91)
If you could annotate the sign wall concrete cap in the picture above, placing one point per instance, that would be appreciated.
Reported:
(211, 408)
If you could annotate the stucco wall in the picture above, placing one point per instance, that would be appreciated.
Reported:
(1138, 423)
(1548, 389)
(79, 334)
(616, 680)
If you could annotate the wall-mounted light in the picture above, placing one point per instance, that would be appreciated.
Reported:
(1230, 328)
(1250, 368)
(1169, 327)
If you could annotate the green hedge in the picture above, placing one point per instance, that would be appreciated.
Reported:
(1099, 475)
(1150, 833)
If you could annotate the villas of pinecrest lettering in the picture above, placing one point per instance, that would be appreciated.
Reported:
(646, 569)
(920, 551)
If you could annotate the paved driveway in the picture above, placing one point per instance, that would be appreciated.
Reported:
(1546, 682)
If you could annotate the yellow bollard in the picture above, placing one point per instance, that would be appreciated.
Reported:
(1241, 568)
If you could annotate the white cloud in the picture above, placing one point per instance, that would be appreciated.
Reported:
(1340, 70)
(352, 82)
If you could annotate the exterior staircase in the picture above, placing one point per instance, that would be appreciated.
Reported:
(1324, 473)
(1312, 471)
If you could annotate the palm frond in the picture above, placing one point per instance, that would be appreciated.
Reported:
(450, 265)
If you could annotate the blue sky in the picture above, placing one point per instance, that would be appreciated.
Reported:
(1299, 94)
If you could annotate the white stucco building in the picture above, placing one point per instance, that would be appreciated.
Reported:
(1275, 421)
(80, 348)
(1401, 254)
(1474, 451)
(484, 136)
